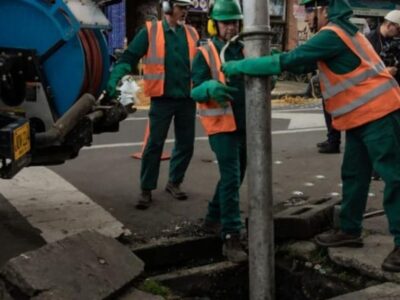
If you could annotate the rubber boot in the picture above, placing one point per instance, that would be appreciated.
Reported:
(232, 248)
(329, 148)
(145, 200)
(338, 238)
(392, 261)
(175, 191)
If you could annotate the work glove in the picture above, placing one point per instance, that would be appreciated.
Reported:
(213, 89)
(119, 71)
(259, 66)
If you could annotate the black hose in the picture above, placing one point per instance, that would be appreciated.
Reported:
(66, 123)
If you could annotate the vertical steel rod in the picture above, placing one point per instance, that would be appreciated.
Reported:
(258, 114)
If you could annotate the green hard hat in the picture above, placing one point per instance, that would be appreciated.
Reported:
(225, 10)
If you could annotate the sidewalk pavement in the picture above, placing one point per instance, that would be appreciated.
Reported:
(289, 88)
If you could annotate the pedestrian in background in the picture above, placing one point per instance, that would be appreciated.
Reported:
(382, 39)
(332, 143)
(168, 48)
(221, 106)
(363, 99)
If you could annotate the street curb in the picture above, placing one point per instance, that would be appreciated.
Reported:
(388, 291)
(222, 277)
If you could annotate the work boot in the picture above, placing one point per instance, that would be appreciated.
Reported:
(145, 200)
(329, 148)
(392, 261)
(322, 144)
(175, 191)
(232, 248)
(375, 175)
(211, 227)
(338, 238)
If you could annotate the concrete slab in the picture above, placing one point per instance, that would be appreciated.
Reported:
(368, 259)
(386, 291)
(84, 266)
(55, 206)
(305, 221)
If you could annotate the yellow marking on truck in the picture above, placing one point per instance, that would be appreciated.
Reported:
(22, 141)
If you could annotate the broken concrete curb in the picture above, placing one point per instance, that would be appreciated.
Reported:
(388, 291)
(368, 259)
(87, 265)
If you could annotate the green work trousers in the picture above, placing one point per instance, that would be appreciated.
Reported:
(162, 111)
(230, 150)
(374, 145)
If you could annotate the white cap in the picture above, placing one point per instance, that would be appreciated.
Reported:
(183, 2)
(393, 16)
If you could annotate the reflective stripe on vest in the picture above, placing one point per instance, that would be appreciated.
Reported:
(364, 99)
(215, 112)
(192, 42)
(332, 90)
(360, 96)
(214, 118)
(154, 60)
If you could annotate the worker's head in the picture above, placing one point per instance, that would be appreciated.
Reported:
(224, 19)
(316, 13)
(391, 25)
(176, 10)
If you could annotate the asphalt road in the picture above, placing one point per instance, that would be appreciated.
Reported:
(98, 190)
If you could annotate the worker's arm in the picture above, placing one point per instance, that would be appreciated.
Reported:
(130, 58)
(206, 88)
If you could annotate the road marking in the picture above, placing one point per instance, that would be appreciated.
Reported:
(136, 119)
(201, 138)
(56, 207)
(278, 114)
(301, 120)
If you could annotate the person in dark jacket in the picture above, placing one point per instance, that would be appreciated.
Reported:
(382, 41)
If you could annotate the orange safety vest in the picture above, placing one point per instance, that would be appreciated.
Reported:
(153, 61)
(363, 95)
(214, 117)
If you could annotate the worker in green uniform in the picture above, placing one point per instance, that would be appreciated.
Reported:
(168, 48)
(363, 99)
(221, 107)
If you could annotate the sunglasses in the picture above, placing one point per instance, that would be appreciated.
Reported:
(311, 9)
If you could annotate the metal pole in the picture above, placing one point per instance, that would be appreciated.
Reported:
(258, 114)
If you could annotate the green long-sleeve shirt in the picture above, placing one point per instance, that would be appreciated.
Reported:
(326, 46)
(177, 61)
(201, 73)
